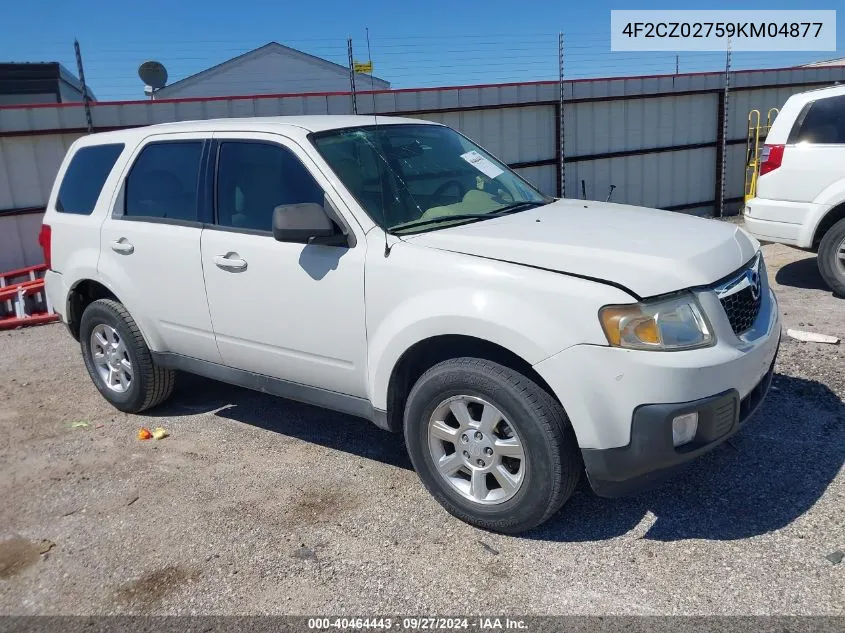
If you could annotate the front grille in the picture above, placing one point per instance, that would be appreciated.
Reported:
(742, 295)
(742, 309)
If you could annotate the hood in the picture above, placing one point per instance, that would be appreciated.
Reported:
(647, 251)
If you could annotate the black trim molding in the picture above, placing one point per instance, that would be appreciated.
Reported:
(154, 220)
(352, 405)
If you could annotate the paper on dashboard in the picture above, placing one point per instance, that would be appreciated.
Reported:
(482, 164)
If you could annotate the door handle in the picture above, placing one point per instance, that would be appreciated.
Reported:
(122, 246)
(230, 261)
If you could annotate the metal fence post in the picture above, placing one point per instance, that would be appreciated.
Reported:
(352, 76)
(86, 99)
(724, 132)
(561, 128)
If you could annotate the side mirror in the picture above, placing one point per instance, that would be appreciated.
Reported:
(302, 223)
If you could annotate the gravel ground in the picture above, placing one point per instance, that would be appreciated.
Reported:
(259, 505)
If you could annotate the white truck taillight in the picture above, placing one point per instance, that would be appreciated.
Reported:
(770, 158)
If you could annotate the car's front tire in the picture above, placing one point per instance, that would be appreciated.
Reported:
(493, 447)
(119, 361)
(831, 258)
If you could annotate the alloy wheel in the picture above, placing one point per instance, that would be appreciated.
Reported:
(476, 450)
(111, 360)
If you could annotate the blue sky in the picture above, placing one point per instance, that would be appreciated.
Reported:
(428, 43)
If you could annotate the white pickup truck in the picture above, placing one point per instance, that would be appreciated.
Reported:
(396, 271)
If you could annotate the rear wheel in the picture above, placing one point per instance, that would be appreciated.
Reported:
(491, 445)
(119, 361)
(831, 258)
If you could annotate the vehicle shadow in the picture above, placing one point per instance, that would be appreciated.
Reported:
(356, 436)
(761, 480)
(803, 273)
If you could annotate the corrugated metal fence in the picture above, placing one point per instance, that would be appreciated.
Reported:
(657, 139)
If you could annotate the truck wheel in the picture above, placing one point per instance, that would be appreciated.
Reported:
(119, 361)
(831, 258)
(490, 445)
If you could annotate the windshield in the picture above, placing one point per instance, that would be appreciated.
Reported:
(412, 178)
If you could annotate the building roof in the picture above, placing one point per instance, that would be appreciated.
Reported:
(840, 61)
(263, 50)
(34, 71)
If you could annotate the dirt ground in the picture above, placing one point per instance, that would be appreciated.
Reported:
(257, 505)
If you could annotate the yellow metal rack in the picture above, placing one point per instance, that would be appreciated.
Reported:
(756, 134)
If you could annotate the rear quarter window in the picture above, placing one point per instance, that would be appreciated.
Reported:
(821, 121)
(83, 181)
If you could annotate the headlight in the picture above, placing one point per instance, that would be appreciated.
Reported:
(668, 324)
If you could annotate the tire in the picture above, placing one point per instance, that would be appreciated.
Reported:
(548, 472)
(146, 384)
(831, 266)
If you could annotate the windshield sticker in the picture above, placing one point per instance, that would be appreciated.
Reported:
(481, 164)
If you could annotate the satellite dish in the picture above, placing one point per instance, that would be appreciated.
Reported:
(153, 74)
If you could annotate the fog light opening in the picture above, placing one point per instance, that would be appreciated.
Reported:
(684, 428)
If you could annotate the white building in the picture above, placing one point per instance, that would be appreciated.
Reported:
(270, 69)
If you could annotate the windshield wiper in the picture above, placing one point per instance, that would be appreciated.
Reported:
(517, 206)
(513, 208)
(441, 218)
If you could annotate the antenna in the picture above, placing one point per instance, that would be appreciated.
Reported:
(154, 76)
(375, 116)
(372, 83)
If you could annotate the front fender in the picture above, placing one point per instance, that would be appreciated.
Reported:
(420, 292)
(518, 328)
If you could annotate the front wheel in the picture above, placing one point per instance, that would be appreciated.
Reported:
(492, 446)
(831, 258)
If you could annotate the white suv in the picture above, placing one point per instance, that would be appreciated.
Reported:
(800, 198)
(396, 271)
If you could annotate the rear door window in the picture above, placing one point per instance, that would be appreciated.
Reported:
(164, 181)
(83, 181)
(822, 121)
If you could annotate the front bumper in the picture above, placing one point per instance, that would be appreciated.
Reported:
(651, 456)
(621, 402)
